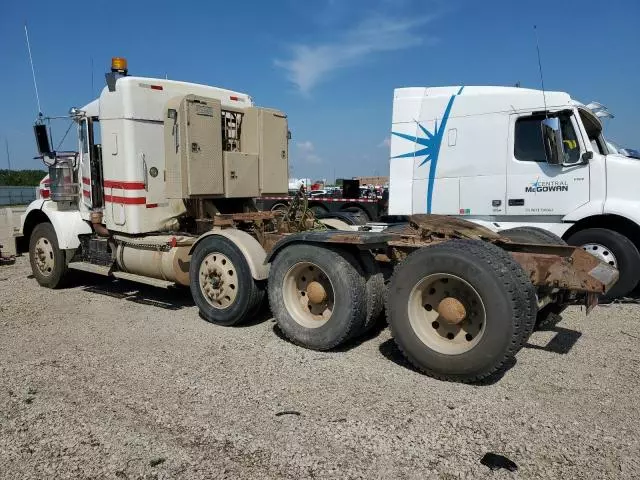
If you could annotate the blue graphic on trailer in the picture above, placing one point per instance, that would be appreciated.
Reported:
(430, 144)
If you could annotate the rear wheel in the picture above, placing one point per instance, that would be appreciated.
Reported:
(616, 250)
(221, 283)
(460, 310)
(548, 316)
(317, 295)
(48, 262)
(360, 216)
(318, 210)
(376, 291)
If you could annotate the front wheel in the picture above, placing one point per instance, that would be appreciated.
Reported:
(460, 310)
(616, 250)
(48, 262)
(221, 283)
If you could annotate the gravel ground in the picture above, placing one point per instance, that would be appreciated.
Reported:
(109, 379)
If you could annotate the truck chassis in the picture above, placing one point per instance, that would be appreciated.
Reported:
(460, 299)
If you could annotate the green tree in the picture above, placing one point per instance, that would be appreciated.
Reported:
(21, 178)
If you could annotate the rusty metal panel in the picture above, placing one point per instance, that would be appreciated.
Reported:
(449, 227)
(578, 271)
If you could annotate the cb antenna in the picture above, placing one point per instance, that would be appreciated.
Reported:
(544, 96)
(33, 72)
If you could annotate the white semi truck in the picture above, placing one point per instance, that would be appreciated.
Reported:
(167, 197)
(480, 153)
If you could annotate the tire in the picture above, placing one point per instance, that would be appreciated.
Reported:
(237, 297)
(48, 262)
(318, 210)
(344, 310)
(376, 292)
(345, 217)
(549, 316)
(532, 235)
(615, 249)
(489, 285)
(360, 216)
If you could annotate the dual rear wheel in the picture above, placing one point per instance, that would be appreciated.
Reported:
(459, 310)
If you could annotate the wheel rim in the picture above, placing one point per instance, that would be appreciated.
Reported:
(308, 295)
(447, 314)
(43, 255)
(218, 280)
(601, 252)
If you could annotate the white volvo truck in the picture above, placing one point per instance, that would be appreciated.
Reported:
(167, 197)
(479, 152)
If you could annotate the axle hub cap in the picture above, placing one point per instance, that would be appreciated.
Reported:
(218, 280)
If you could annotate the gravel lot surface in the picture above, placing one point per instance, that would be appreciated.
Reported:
(109, 379)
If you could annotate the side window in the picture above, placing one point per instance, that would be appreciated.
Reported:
(569, 140)
(528, 145)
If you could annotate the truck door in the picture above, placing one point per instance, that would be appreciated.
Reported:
(535, 187)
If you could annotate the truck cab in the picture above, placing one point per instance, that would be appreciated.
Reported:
(481, 153)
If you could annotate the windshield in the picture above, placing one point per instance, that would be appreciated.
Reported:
(594, 131)
(613, 148)
(84, 136)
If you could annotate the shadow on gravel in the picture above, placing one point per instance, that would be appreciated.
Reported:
(345, 347)
(174, 298)
(632, 298)
(390, 350)
(561, 343)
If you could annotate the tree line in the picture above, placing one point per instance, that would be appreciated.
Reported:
(21, 178)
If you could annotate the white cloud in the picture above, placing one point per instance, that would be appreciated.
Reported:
(305, 146)
(307, 152)
(386, 143)
(311, 64)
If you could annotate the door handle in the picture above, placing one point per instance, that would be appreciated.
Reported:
(516, 202)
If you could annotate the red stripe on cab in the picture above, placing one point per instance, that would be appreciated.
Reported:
(125, 200)
(124, 185)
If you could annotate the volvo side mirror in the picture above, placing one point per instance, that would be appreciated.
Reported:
(586, 156)
(552, 139)
(42, 139)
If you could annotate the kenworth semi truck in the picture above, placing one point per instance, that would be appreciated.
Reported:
(480, 153)
(167, 197)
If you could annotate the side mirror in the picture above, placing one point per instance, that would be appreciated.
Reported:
(42, 139)
(552, 139)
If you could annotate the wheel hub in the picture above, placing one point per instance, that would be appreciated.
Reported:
(601, 252)
(452, 310)
(43, 255)
(447, 313)
(316, 292)
(218, 280)
(308, 294)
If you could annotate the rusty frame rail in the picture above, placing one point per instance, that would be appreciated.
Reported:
(548, 266)
(563, 267)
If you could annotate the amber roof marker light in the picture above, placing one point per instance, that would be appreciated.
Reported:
(119, 65)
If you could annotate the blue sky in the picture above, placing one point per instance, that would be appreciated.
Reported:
(331, 65)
